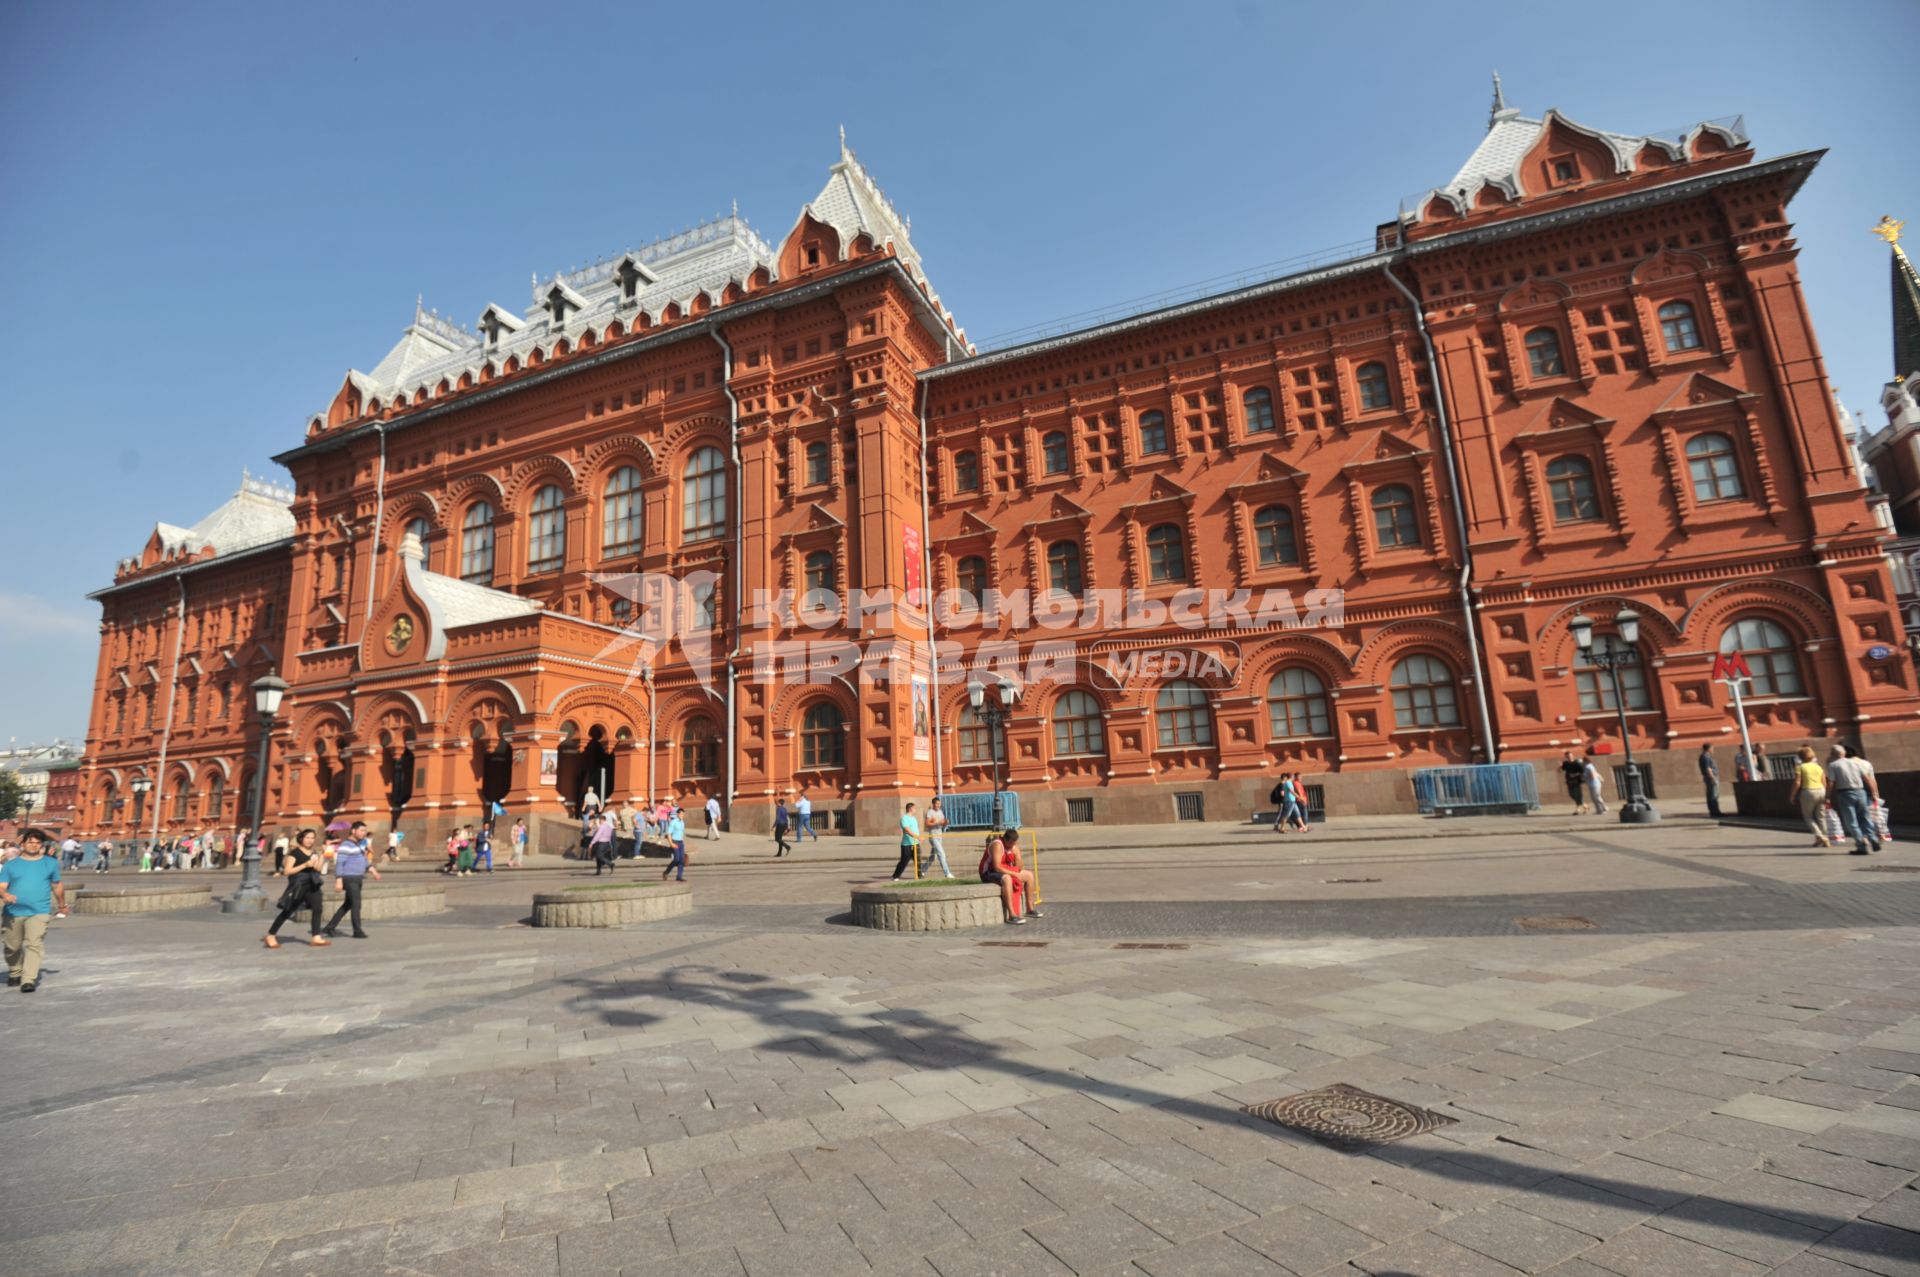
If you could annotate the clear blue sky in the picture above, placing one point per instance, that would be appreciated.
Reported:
(209, 212)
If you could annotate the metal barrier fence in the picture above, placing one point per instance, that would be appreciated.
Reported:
(975, 811)
(1486, 787)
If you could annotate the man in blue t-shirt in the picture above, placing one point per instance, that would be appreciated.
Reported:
(352, 865)
(677, 835)
(30, 888)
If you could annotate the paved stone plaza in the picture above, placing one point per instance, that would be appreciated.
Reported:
(1717, 1076)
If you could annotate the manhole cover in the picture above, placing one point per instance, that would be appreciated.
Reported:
(1347, 1117)
(1142, 944)
(1888, 869)
(1555, 924)
(1350, 880)
(1013, 944)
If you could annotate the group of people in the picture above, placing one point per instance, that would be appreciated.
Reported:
(308, 861)
(797, 819)
(612, 834)
(1289, 798)
(1844, 794)
(1000, 861)
(469, 847)
(1586, 786)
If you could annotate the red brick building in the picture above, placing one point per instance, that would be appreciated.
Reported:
(1578, 375)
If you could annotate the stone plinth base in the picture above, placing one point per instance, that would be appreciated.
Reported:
(140, 899)
(402, 900)
(911, 908)
(611, 906)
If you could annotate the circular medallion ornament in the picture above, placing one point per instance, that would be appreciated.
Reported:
(399, 634)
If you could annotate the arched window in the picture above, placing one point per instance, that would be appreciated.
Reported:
(1394, 524)
(1166, 553)
(1543, 353)
(1063, 568)
(703, 496)
(1679, 328)
(822, 740)
(622, 524)
(1570, 485)
(1297, 704)
(547, 531)
(966, 471)
(975, 737)
(216, 794)
(419, 526)
(1258, 403)
(1273, 536)
(1596, 685)
(1077, 728)
(476, 544)
(1770, 655)
(1153, 434)
(1424, 694)
(970, 575)
(699, 748)
(1715, 471)
(820, 579)
(1181, 715)
(1375, 391)
(819, 465)
(1055, 455)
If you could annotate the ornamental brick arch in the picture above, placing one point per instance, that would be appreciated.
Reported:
(530, 476)
(416, 505)
(1395, 641)
(610, 454)
(1327, 662)
(1804, 614)
(1553, 643)
(464, 491)
(684, 438)
(606, 706)
(502, 701)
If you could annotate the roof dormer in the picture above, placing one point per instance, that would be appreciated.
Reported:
(497, 319)
(632, 275)
(561, 301)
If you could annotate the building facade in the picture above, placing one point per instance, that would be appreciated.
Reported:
(1335, 522)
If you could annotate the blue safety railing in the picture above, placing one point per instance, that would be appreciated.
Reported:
(975, 811)
(1486, 787)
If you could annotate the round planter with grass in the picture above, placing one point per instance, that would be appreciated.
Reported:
(379, 900)
(611, 905)
(948, 904)
(140, 899)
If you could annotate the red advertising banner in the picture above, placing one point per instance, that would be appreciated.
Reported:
(910, 548)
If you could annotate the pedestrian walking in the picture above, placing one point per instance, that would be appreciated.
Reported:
(780, 824)
(352, 866)
(909, 841)
(936, 839)
(1853, 790)
(517, 837)
(280, 845)
(1293, 812)
(713, 817)
(454, 841)
(394, 839)
(1710, 778)
(677, 835)
(1596, 786)
(1810, 792)
(600, 844)
(30, 893)
(1574, 772)
(803, 818)
(303, 889)
(463, 861)
(483, 847)
(625, 821)
(70, 853)
(103, 858)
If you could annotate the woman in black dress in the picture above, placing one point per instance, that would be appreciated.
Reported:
(303, 888)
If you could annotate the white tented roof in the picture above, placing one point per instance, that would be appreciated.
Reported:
(457, 603)
(255, 515)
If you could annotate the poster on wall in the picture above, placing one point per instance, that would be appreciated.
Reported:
(910, 547)
(922, 719)
(549, 767)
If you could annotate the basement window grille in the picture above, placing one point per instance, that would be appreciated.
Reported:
(1079, 811)
(1189, 806)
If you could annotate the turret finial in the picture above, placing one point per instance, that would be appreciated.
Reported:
(1888, 228)
(844, 154)
(1499, 101)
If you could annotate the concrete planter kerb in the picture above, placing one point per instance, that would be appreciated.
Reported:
(611, 906)
(886, 907)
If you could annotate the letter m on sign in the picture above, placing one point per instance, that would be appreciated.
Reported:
(1731, 665)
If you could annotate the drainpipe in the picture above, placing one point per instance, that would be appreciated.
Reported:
(379, 513)
(926, 578)
(739, 556)
(1468, 608)
(173, 686)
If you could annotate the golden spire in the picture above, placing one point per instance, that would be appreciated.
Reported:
(1889, 229)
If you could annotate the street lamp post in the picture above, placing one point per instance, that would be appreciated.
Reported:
(1610, 653)
(995, 717)
(141, 787)
(267, 691)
